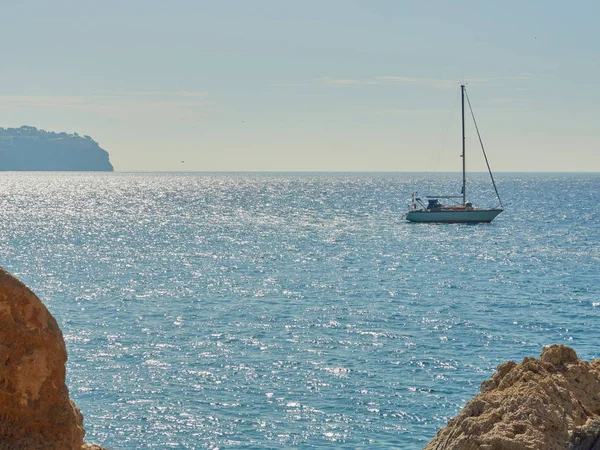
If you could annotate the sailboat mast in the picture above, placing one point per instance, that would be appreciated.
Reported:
(464, 165)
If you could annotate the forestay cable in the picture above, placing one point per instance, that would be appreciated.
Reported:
(483, 149)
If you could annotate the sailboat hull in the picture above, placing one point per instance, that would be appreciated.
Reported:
(454, 216)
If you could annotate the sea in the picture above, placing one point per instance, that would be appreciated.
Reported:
(297, 310)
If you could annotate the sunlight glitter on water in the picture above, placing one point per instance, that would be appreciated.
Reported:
(269, 310)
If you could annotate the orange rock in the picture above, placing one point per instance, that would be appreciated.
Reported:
(549, 403)
(35, 409)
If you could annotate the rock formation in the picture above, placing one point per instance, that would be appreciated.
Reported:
(27, 148)
(548, 403)
(35, 409)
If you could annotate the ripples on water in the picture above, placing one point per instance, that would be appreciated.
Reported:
(273, 310)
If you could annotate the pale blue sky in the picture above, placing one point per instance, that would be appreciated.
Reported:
(312, 85)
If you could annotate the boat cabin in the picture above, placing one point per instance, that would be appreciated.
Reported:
(434, 203)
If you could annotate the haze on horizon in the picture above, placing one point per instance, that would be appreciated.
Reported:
(309, 86)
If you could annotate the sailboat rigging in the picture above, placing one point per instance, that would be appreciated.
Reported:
(465, 212)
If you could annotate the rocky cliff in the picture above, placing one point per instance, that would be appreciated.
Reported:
(35, 409)
(27, 148)
(549, 403)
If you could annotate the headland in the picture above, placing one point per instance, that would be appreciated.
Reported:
(29, 149)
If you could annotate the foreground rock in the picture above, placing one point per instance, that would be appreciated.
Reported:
(35, 409)
(547, 403)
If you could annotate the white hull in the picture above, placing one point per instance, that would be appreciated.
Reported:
(454, 216)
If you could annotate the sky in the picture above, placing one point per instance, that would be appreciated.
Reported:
(329, 85)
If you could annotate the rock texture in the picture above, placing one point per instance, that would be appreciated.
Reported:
(548, 403)
(35, 409)
(27, 148)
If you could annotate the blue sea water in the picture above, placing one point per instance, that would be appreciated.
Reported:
(296, 310)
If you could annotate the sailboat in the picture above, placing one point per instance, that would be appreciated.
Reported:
(460, 211)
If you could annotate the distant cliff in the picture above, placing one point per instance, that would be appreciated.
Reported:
(28, 148)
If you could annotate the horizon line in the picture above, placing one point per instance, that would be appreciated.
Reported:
(310, 171)
(351, 171)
